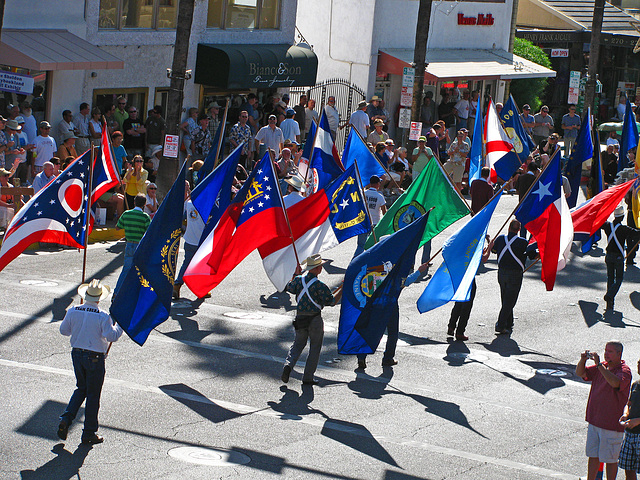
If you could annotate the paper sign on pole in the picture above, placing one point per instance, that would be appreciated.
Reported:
(171, 146)
(404, 119)
(416, 130)
(406, 96)
(574, 87)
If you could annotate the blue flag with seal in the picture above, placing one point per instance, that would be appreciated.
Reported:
(629, 138)
(356, 149)
(212, 195)
(461, 256)
(144, 301)
(475, 156)
(581, 152)
(372, 284)
(522, 142)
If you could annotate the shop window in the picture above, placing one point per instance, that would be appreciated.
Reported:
(244, 14)
(146, 14)
(136, 97)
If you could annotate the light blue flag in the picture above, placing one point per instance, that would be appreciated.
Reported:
(461, 253)
(629, 139)
(475, 163)
(356, 149)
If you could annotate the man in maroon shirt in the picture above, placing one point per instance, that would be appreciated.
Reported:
(610, 384)
(481, 191)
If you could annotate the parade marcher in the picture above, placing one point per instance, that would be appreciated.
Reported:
(610, 383)
(617, 235)
(311, 296)
(377, 207)
(512, 256)
(629, 457)
(135, 223)
(295, 190)
(90, 329)
(481, 192)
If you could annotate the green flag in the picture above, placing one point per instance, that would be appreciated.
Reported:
(430, 189)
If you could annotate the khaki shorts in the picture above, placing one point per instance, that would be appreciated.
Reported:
(455, 170)
(603, 444)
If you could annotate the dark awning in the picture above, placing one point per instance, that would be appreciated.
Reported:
(255, 66)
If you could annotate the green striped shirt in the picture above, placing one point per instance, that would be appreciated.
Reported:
(135, 223)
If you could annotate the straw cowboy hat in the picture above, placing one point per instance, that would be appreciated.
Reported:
(313, 261)
(619, 211)
(94, 291)
(296, 182)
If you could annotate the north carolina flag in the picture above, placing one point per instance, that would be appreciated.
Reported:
(319, 222)
(255, 216)
(501, 156)
(544, 212)
(591, 215)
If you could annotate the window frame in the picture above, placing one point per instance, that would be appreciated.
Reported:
(154, 21)
(223, 16)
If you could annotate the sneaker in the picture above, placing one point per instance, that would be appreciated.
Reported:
(63, 429)
(389, 363)
(362, 363)
(92, 439)
(286, 372)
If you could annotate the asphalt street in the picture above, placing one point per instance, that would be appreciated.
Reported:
(203, 399)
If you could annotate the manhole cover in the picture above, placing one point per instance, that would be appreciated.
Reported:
(243, 315)
(39, 283)
(552, 372)
(209, 456)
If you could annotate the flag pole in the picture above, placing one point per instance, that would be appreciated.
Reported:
(379, 162)
(453, 186)
(284, 209)
(126, 203)
(525, 195)
(88, 213)
(364, 200)
(222, 125)
(306, 173)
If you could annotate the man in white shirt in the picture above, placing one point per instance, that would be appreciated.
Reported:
(333, 116)
(91, 329)
(65, 125)
(461, 110)
(271, 136)
(311, 115)
(81, 122)
(295, 190)
(290, 128)
(377, 207)
(360, 120)
(45, 148)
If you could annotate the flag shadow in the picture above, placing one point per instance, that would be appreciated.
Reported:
(64, 466)
(589, 312)
(44, 422)
(199, 403)
(277, 300)
(332, 269)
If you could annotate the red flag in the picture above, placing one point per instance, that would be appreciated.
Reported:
(255, 217)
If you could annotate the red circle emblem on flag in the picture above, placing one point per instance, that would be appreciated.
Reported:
(71, 196)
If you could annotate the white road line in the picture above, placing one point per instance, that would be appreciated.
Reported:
(246, 409)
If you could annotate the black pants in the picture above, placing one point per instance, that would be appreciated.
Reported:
(615, 272)
(461, 312)
(631, 249)
(510, 282)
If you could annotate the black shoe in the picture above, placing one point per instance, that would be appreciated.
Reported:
(310, 382)
(451, 332)
(362, 363)
(504, 331)
(389, 363)
(93, 439)
(63, 429)
(286, 371)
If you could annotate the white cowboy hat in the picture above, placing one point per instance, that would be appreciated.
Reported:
(94, 291)
(296, 182)
(618, 212)
(313, 261)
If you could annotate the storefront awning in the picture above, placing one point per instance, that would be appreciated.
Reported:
(463, 64)
(44, 49)
(255, 66)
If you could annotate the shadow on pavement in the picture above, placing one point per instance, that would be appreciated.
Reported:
(199, 403)
(333, 270)
(589, 312)
(64, 466)
(277, 300)
(393, 475)
(44, 422)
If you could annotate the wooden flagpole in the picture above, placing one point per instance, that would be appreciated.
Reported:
(126, 203)
(88, 213)
(306, 173)
(286, 215)
(222, 125)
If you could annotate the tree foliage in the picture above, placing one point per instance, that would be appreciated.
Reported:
(528, 90)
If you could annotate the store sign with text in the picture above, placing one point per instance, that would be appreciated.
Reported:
(559, 53)
(482, 19)
(14, 82)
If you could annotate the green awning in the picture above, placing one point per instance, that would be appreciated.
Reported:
(255, 66)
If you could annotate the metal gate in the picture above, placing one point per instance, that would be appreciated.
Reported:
(347, 96)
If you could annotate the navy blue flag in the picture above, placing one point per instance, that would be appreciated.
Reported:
(210, 161)
(372, 284)
(356, 149)
(212, 195)
(308, 144)
(522, 142)
(581, 152)
(629, 139)
(145, 298)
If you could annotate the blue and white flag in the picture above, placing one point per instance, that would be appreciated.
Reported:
(511, 120)
(325, 165)
(461, 255)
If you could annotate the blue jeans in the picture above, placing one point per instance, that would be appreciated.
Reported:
(615, 272)
(89, 370)
(189, 252)
(129, 250)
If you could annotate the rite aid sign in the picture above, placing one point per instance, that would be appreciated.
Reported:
(482, 19)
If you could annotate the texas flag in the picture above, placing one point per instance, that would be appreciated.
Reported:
(545, 213)
(325, 161)
(255, 216)
(318, 223)
(501, 156)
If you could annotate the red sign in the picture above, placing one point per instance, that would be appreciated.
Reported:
(481, 19)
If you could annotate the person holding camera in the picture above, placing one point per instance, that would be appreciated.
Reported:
(610, 385)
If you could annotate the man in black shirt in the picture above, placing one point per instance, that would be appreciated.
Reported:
(617, 235)
(512, 256)
(134, 134)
